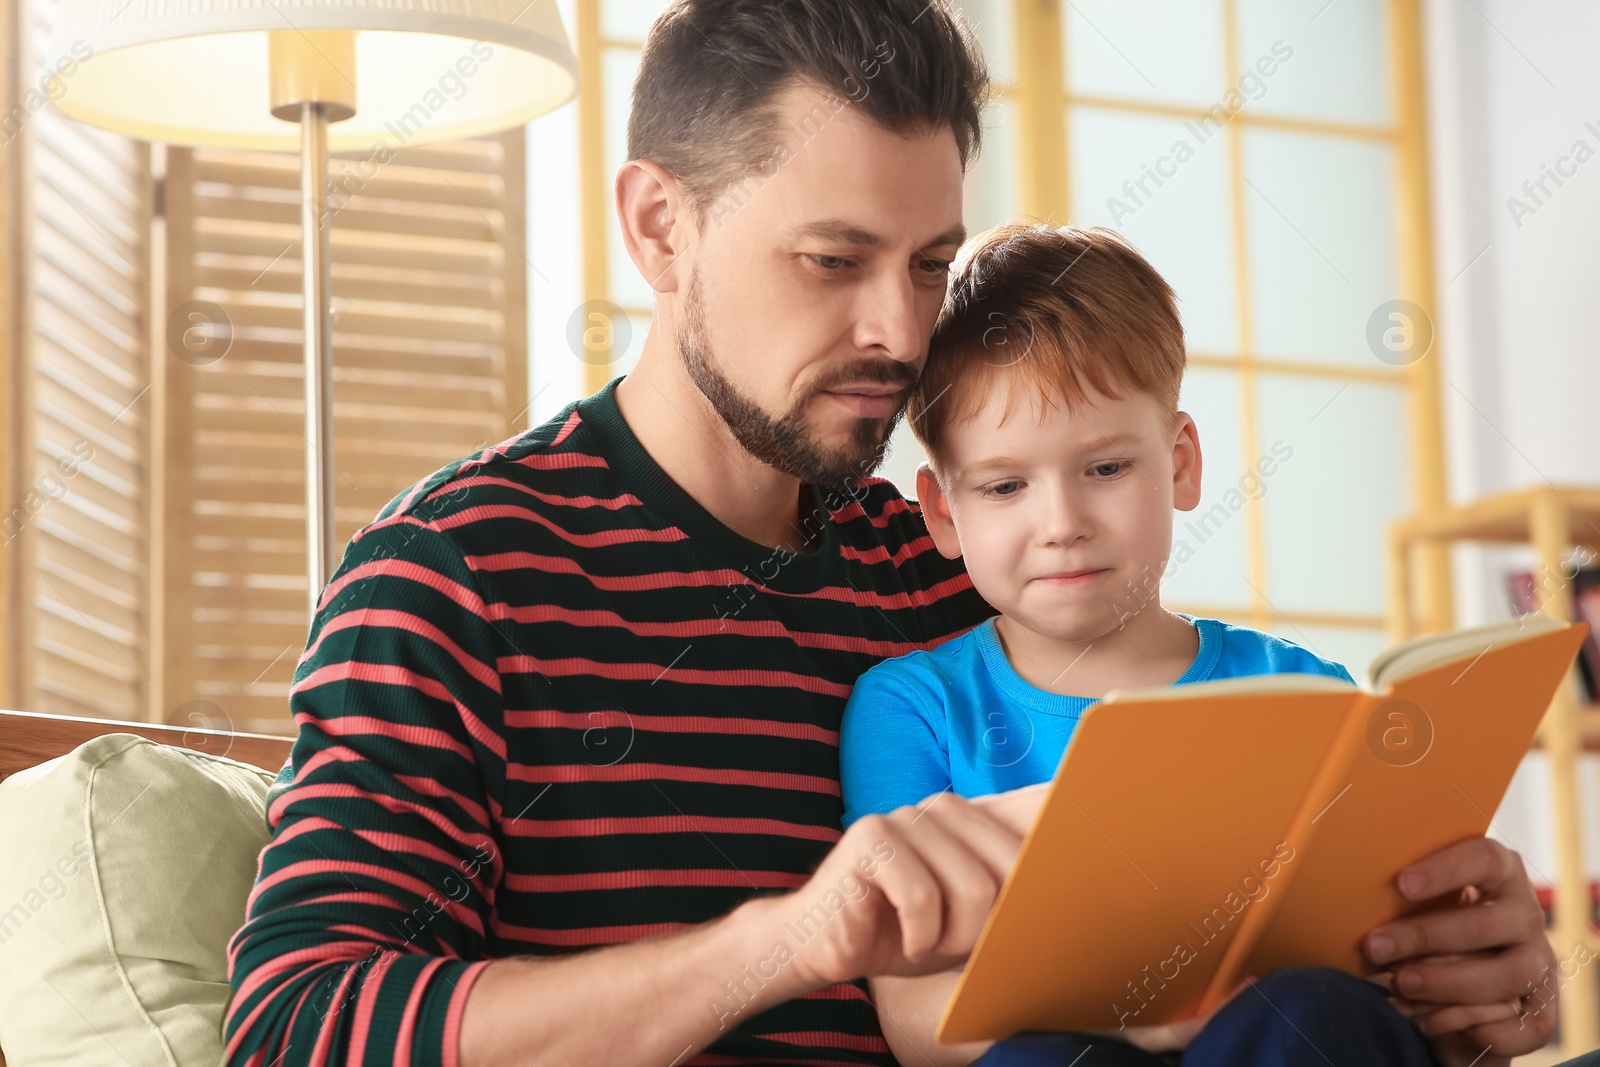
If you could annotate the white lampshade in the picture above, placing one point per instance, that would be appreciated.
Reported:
(196, 71)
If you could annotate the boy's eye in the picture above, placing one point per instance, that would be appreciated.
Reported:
(1001, 489)
(1109, 469)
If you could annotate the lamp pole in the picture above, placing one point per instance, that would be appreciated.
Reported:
(313, 76)
(317, 281)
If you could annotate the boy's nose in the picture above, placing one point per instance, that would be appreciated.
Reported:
(1061, 521)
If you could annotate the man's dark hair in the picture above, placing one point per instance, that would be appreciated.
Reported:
(704, 101)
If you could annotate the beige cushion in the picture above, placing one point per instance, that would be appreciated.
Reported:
(124, 869)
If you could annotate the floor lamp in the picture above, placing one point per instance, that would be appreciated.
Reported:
(317, 76)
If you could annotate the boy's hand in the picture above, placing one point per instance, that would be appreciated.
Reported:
(905, 893)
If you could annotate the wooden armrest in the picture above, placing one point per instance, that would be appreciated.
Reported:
(28, 739)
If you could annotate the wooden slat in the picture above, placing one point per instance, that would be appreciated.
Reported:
(401, 358)
(93, 149)
(91, 511)
(93, 332)
(96, 568)
(114, 548)
(243, 237)
(366, 466)
(400, 218)
(289, 527)
(447, 434)
(96, 375)
(478, 154)
(90, 683)
(86, 641)
(104, 226)
(80, 418)
(410, 457)
(85, 277)
(352, 282)
(349, 183)
(64, 336)
(470, 395)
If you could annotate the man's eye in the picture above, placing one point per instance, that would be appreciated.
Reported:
(1109, 470)
(1002, 489)
(936, 266)
(830, 263)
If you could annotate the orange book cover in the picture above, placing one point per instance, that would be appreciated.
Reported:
(1196, 834)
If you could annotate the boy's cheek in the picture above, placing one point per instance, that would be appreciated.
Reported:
(993, 558)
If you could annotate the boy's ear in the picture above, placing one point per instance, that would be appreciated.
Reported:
(1186, 464)
(936, 513)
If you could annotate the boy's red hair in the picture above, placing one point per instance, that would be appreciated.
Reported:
(1055, 311)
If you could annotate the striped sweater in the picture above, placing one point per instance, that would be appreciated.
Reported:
(549, 703)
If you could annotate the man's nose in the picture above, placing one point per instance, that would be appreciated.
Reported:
(889, 320)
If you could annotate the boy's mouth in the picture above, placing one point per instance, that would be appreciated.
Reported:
(1072, 577)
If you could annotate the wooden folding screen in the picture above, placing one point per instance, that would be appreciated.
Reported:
(429, 289)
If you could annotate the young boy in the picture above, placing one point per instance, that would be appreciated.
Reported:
(1057, 455)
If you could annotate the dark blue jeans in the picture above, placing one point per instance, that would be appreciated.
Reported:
(1311, 1016)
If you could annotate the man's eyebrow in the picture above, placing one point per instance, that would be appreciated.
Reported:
(840, 231)
(850, 234)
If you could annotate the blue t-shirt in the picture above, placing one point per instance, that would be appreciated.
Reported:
(959, 717)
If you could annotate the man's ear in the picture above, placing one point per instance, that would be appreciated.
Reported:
(1186, 464)
(936, 513)
(656, 222)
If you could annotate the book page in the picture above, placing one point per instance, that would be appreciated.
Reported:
(1431, 650)
(1250, 683)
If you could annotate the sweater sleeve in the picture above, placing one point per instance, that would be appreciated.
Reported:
(373, 900)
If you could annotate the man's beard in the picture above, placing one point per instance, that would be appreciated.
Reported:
(785, 443)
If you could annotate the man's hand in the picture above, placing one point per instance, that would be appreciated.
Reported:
(1461, 973)
(1017, 808)
(905, 893)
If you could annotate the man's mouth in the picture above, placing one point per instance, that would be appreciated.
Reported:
(868, 401)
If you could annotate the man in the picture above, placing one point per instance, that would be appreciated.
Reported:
(566, 785)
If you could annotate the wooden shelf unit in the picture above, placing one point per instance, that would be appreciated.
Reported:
(1554, 520)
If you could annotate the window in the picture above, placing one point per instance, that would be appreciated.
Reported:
(1264, 156)
(1267, 157)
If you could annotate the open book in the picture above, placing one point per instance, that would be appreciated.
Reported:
(1196, 834)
